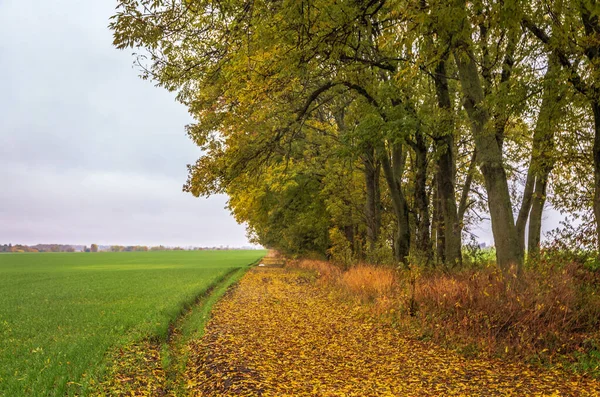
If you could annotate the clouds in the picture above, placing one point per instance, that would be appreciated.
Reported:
(88, 151)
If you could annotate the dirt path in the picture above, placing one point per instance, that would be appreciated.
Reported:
(277, 334)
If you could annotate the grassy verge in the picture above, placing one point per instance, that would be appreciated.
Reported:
(191, 326)
(155, 366)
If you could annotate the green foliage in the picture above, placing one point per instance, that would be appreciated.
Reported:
(340, 251)
(301, 107)
(382, 254)
(587, 363)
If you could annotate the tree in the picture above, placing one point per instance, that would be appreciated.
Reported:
(387, 123)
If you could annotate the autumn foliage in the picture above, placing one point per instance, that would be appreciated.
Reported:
(285, 332)
(547, 314)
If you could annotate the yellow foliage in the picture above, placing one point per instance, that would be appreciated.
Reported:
(280, 334)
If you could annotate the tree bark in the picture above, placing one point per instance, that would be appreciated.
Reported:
(373, 199)
(541, 163)
(535, 217)
(464, 197)
(392, 170)
(596, 153)
(446, 172)
(489, 158)
(438, 219)
(422, 220)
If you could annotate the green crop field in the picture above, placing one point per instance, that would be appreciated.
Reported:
(61, 313)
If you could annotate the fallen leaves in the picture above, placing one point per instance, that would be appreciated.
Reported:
(136, 370)
(278, 335)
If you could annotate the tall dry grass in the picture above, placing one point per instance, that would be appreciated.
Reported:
(325, 271)
(370, 282)
(548, 312)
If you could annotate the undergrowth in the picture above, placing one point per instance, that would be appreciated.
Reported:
(550, 315)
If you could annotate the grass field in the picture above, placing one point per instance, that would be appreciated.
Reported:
(61, 313)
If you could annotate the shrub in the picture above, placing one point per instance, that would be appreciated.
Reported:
(341, 250)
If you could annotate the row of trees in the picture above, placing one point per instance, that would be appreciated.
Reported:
(384, 126)
(36, 248)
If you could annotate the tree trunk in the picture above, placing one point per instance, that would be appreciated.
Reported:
(464, 197)
(392, 170)
(489, 158)
(440, 241)
(446, 173)
(541, 163)
(422, 221)
(535, 218)
(373, 199)
(596, 152)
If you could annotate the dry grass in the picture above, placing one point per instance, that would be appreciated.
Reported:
(552, 311)
(546, 314)
(370, 282)
(375, 285)
(325, 271)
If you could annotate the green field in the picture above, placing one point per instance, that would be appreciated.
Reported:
(60, 313)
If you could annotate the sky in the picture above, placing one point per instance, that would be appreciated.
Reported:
(89, 152)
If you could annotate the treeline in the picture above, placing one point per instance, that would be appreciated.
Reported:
(96, 248)
(385, 129)
(139, 248)
(36, 248)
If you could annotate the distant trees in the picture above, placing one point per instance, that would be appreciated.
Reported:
(383, 128)
(36, 248)
(94, 248)
(129, 248)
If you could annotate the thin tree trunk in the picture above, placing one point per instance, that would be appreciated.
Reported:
(535, 218)
(422, 221)
(440, 241)
(489, 158)
(372, 210)
(540, 164)
(464, 197)
(596, 153)
(526, 203)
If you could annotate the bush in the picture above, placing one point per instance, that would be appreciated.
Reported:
(341, 250)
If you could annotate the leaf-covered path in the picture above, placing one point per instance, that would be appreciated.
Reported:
(279, 334)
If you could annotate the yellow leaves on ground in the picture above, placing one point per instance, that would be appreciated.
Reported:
(136, 370)
(280, 334)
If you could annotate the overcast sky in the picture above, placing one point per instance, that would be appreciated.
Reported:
(89, 152)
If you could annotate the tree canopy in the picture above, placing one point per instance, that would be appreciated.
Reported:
(382, 130)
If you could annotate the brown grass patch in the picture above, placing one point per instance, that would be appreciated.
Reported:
(370, 282)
